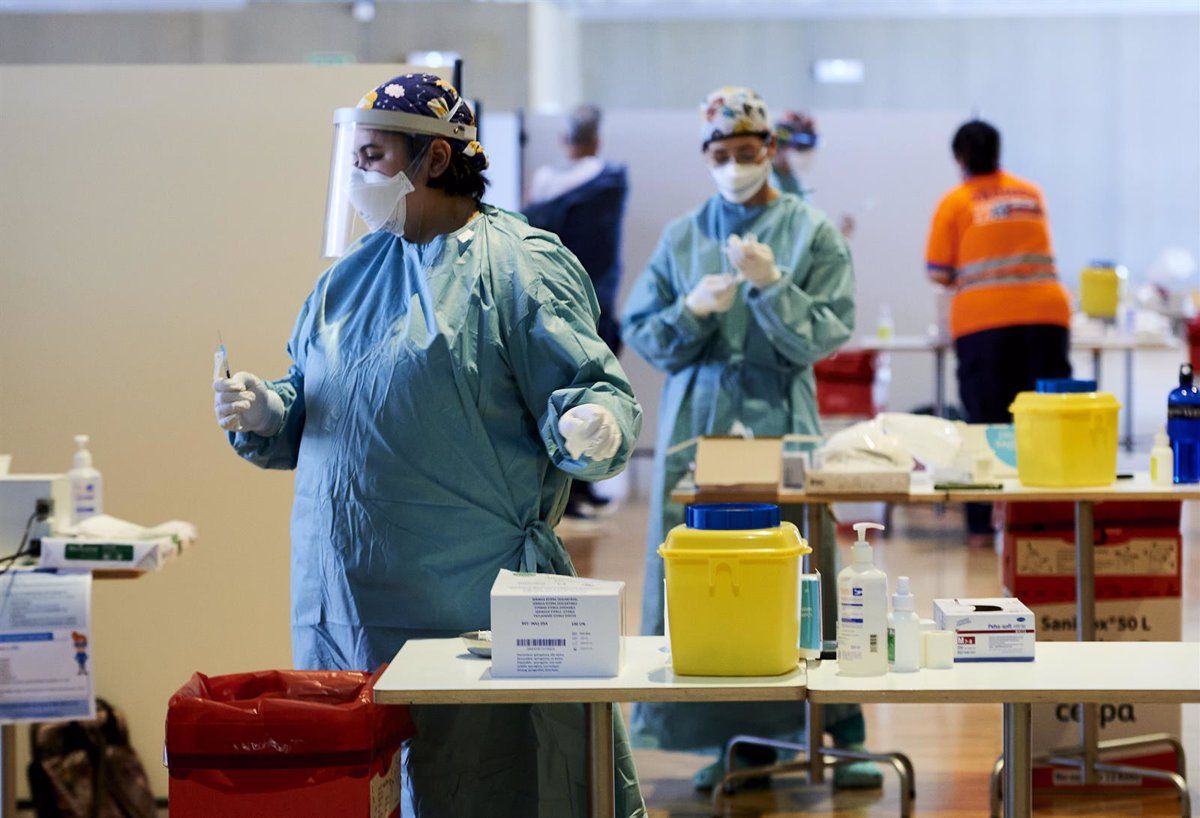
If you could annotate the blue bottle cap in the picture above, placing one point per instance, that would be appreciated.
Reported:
(1056, 386)
(733, 516)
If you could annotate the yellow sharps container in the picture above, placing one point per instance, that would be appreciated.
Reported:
(1100, 286)
(1066, 434)
(732, 583)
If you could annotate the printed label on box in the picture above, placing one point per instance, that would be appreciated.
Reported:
(1041, 557)
(385, 790)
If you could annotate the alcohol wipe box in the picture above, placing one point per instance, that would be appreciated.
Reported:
(547, 626)
(988, 630)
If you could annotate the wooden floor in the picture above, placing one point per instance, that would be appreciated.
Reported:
(952, 746)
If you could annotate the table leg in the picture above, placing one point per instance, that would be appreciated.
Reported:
(1085, 622)
(1129, 400)
(816, 742)
(939, 382)
(1097, 361)
(600, 773)
(8, 771)
(1018, 761)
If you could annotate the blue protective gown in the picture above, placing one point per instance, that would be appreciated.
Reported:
(751, 364)
(422, 414)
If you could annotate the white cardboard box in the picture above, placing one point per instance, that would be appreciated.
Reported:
(106, 555)
(999, 629)
(546, 625)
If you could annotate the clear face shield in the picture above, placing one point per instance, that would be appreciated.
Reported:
(369, 172)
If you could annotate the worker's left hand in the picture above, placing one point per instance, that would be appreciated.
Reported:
(590, 430)
(753, 259)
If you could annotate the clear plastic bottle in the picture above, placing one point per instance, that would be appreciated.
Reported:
(904, 631)
(862, 611)
(87, 485)
(1162, 460)
(1183, 427)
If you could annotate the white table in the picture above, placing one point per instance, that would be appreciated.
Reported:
(1096, 346)
(1138, 489)
(440, 671)
(1094, 672)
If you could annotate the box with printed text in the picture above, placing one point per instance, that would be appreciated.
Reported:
(546, 625)
(1057, 725)
(999, 629)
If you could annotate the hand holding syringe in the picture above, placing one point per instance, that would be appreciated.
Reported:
(244, 402)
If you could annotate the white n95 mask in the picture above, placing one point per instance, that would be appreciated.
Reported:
(379, 199)
(738, 182)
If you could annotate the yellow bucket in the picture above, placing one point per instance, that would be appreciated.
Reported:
(732, 592)
(1066, 439)
(1100, 286)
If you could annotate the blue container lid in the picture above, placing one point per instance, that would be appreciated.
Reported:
(733, 516)
(1056, 386)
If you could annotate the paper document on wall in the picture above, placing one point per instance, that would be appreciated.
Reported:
(45, 646)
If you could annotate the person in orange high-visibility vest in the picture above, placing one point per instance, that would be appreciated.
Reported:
(1010, 316)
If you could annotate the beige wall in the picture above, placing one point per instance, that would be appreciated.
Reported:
(142, 209)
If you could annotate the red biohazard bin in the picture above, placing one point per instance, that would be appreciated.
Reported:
(1193, 337)
(845, 384)
(301, 744)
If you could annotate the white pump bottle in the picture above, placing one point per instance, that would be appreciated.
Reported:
(87, 486)
(862, 611)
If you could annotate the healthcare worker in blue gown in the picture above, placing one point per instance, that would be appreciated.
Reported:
(447, 384)
(742, 296)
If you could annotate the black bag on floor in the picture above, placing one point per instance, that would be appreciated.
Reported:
(87, 769)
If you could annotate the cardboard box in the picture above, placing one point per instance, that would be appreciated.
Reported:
(1057, 725)
(107, 555)
(999, 629)
(1117, 620)
(735, 462)
(1032, 516)
(1131, 563)
(545, 626)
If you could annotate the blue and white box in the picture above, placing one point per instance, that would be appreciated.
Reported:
(1001, 629)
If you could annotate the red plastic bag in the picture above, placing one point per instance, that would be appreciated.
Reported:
(296, 743)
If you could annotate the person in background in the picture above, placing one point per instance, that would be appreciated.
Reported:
(1010, 316)
(797, 140)
(742, 296)
(447, 384)
(583, 203)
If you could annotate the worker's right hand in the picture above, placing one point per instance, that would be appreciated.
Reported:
(244, 403)
(714, 294)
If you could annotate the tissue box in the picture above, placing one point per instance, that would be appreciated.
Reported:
(546, 626)
(106, 555)
(989, 630)
(821, 481)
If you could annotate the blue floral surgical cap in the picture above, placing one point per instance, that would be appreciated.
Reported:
(427, 95)
(733, 111)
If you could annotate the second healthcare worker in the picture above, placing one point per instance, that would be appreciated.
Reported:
(741, 298)
(447, 384)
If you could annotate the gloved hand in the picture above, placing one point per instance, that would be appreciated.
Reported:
(244, 403)
(714, 294)
(753, 259)
(590, 430)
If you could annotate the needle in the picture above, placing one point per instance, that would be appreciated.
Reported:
(224, 355)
